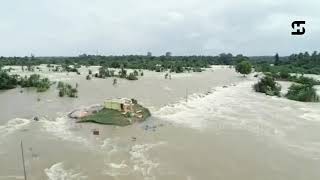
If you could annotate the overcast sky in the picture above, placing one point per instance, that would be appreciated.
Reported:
(184, 27)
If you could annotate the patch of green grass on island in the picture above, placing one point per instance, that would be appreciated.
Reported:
(117, 118)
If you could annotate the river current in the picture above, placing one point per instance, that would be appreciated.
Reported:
(208, 125)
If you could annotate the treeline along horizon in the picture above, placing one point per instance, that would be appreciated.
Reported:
(303, 63)
(116, 61)
(300, 62)
(126, 61)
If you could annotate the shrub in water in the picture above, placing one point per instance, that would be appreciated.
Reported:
(132, 77)
(268, 86)
(302, 92)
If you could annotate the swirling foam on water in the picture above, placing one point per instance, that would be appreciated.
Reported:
(13, 125)
(139, 161)
(12, 177)
(114, 169)
(311, 114)
(109, 145)
(61, 127)
(58, 172)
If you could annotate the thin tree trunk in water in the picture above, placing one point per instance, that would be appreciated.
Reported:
(24, 167)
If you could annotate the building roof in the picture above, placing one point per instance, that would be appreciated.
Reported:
(120, 100)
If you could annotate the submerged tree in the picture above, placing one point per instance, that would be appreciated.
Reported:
(7, 81)
(43, 85)
(132, 77)
(268, 86)
(306, 80)
(276, 60)
(136, 73)
(114, 82)
(244, 67)
(123, 73)
(34, 80)
(302, 92)
(67, 89)
(284, 74)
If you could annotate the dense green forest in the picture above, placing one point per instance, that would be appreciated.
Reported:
(303, 63)
(155, 63)
(295, 63)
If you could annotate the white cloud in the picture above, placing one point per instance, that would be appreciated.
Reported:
(175, 16)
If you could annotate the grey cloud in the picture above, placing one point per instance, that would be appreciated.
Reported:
(186, 27)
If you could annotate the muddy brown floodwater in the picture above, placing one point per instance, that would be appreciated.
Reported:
(220, 132)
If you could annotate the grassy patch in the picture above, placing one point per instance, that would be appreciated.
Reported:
(113, 117)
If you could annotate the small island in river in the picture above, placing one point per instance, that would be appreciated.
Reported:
(119, 112)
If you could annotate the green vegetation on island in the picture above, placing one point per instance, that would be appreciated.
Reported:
(119, 112)
(114, 117)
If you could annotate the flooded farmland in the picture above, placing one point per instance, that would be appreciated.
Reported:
(208, 125)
